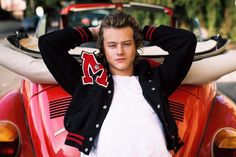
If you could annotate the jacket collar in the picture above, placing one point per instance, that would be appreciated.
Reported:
(142, 69)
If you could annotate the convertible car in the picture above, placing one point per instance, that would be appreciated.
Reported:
(31, 117)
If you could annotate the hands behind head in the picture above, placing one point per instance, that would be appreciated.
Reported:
(94, 31)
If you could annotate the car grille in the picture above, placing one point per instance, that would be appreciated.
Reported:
(177, 110)
(58, 107)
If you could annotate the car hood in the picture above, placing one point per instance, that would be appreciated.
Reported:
(45, 108)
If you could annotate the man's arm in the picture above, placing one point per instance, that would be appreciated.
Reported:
(180, 45)
(54, 48)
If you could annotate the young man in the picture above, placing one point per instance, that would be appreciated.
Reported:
(119, 105)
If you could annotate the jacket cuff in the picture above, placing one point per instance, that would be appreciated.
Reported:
(84, 34)
(147, 32)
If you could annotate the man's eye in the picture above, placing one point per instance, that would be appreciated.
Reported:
(127, 44)
(112, 46)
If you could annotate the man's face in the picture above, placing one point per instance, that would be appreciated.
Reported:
(119, 49)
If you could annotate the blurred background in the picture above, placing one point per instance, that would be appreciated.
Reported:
(215, 16)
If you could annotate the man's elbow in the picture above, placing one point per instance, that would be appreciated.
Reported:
(42, 41)
(191, 42)
(192, 39)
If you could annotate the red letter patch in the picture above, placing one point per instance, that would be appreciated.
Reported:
(90, 62)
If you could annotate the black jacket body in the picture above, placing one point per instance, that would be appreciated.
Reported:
(90, 102)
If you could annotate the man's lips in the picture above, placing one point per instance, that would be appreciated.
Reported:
(120, 59)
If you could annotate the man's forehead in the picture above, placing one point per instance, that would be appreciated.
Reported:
(118, 34)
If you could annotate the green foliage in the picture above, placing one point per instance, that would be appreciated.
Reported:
(217, 16)
(51, 3)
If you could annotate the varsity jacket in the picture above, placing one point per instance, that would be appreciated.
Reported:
(91, 85)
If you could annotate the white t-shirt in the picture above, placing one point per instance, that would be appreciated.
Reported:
(131, 127)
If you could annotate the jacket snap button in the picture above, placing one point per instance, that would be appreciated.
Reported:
(97, 125)
(153, 88)
(149, 80)
(67, 124)
(90, 139)
(172, 136)
(104, 107)
(86, 149)
(109, 92)
(158, 106)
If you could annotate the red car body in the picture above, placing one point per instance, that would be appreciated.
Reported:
(37, 112)
(66, 12)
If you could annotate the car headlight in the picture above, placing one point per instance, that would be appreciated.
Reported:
(9, 139)
(224, 143)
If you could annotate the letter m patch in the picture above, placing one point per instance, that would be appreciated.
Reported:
(90, 65)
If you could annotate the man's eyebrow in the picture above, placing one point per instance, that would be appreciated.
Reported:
(114, 42)
(127, 41)
(111, 42)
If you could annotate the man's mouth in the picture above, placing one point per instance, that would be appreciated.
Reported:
(120, 59)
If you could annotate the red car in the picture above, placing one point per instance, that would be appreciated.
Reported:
(31, 117)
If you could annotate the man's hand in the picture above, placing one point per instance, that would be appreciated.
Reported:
(94, 31)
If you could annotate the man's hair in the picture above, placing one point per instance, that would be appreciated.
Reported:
(120, 20)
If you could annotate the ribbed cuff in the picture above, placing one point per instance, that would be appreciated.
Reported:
(148, 32)
(84, 33)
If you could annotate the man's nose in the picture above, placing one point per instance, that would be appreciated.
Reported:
(120, 50)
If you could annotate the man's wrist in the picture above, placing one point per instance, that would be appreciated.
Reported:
(95, 31)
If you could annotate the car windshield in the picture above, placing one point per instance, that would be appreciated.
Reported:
(94, 17)
(87, 17)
